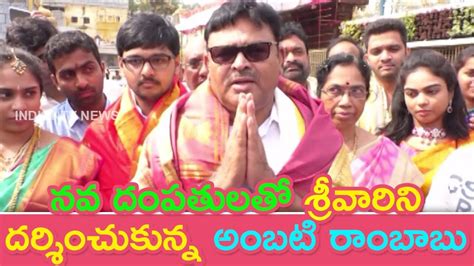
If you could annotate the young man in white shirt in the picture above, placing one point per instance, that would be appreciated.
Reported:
(74, 61)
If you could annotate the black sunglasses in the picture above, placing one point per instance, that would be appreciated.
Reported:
(254, 52)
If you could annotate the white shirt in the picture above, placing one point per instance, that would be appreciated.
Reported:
(312, 86)
(47, 103)
(452, 189)
(279, 132)
(63, 121)
(377, 111)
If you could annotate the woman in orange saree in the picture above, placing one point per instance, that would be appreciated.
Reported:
(428, 112)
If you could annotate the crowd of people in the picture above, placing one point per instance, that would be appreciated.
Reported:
(240, 108)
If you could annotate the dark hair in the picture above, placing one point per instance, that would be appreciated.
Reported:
(30, 33)
(292, 28)
(342, 59)
(258, 13)
(454, 123)
(338, 40)
(147, 30)
(462, 58)
(33, 63)
(385, 25)
(67, 42)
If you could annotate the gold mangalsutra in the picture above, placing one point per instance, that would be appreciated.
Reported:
(17, 65)
(12, 205)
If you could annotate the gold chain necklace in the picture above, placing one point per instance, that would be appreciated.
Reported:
(21, 179)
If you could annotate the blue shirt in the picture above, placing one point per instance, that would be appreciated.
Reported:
(63, 121)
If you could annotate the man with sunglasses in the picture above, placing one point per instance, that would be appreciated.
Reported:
(148, 49)
(32, 34)
(194, 71)
(246, 123)
(294, 45)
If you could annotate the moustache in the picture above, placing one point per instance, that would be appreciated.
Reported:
(243, 74)
(293, 64)
(152, 80)
(85, 88)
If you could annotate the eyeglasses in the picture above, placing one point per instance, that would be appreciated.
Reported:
(254, 52)
(357, 92)
(157, 62)
(194, 63)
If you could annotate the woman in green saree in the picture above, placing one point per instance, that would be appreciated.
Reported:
(32, 159)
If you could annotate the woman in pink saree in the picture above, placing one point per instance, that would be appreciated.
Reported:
(366, 160)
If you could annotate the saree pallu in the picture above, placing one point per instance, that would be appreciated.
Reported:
(54, 164)
(189, 143)
(378, 162)
(118, 139)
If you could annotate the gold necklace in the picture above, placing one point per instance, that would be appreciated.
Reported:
(21, 179)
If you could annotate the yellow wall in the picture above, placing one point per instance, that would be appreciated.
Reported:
(103, 21)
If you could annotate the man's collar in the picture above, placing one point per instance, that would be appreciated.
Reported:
(71, 116)
(135, 103)
(273, 118)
